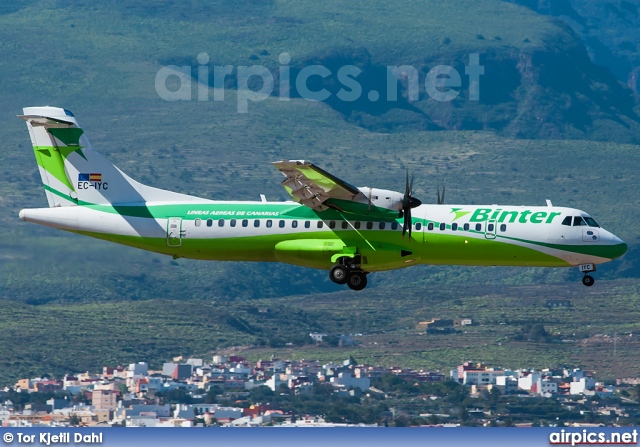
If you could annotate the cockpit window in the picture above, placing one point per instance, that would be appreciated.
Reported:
(591, 222)
(579, 222)
(567, 221)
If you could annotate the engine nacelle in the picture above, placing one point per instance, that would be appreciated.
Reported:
(383, 198)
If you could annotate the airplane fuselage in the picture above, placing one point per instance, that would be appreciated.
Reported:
(293, 233)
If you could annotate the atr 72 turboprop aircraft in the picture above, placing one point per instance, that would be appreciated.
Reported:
(330, 224)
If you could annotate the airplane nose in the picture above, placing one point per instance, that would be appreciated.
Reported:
(619, 248)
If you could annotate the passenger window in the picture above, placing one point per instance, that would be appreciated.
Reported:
(232, 222)
(221, 222)
(281, 224)
(320, 224)
(245, 223)
(567, 221)
(256, 223)
(294, 224)
(430, 226)
(466, 227)
(579, 222)
(490, 228)
(209, 222)
(332, 224)
(345, 224)
(503, 227)
(381, 225)
(307, 224)
(478, 227)
(369, 225)
(197, 222)
(443, 226)
(394, 226)
(454, 226)
(356, 225)
(269, 223)
(418, 226)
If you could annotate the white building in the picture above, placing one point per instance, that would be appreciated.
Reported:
(138, 369)
(152, 383)
(240, 370)
(195, 362)
(220, 359)
(227, 413)
(348, 380)
(159, 410)
(184, 411)
(544, 386)
(580, 386)
(507, 384)
(276, 380)
(525, 382)
(481, 377)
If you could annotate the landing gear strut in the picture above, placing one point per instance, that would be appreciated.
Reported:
(587, 279)
(347, 271)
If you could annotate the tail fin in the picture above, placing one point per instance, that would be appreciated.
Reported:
(73, 173)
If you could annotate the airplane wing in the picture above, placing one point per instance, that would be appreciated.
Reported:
(319, 190)
(314, 187)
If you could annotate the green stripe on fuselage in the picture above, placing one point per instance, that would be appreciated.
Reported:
(382, 249)
(437, 248)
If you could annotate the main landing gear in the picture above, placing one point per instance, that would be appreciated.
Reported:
(347, 271)
(587, 279)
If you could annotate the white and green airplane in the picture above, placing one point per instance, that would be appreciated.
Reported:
(330, 224)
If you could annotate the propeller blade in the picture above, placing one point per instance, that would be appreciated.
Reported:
(408, 202)
(441, 197)
(406, 186)
(406, 224)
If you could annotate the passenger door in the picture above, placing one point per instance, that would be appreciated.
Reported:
(174, 232)
(490, 229)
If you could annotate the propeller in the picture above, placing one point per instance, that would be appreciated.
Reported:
(408, 202)
(441, 197)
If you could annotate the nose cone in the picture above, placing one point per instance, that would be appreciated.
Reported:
(21, 214)
(619, 248)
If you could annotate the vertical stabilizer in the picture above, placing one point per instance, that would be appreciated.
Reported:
(73, 173)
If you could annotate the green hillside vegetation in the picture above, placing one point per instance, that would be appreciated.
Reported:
(609, 30)
(58, 339)
(538, 78)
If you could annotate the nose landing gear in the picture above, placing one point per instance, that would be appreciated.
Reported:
(347, 271)
(587, 279)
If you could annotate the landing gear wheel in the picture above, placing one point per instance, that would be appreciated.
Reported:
(357, 281)
(588, 280)
(339, 274)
